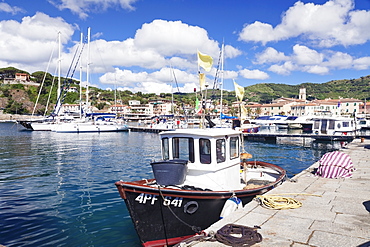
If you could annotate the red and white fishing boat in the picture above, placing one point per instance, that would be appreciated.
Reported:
(199, 171)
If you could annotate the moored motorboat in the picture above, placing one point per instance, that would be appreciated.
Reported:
(199, 171)
(248, 127)
(334, 128)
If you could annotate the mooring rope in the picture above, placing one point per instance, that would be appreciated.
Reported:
(228, 235)
(279, 202)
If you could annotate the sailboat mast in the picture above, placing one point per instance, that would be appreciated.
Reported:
(59, 65)
(88, 67)
(115, 93)
(81, 40)
(172, 106)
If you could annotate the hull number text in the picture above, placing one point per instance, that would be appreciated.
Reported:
(151, 199)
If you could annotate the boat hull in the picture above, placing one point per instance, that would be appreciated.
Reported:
(166, 216)
(90, 127)
(250, 130)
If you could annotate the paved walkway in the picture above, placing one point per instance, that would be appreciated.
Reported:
(339, 217)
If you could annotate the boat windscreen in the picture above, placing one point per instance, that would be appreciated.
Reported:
(183, 148)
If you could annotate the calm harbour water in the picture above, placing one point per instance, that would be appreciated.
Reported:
(58, 189)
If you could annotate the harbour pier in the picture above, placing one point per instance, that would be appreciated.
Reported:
(272, 137)
(147, 129)
(334, 212)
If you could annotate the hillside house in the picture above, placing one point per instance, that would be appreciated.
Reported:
(20, 78)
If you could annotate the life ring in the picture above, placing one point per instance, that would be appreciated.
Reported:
(191, 207)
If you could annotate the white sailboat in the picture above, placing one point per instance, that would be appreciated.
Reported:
(91, 122)
(46, 123)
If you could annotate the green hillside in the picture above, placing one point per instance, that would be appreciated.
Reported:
(354, 88)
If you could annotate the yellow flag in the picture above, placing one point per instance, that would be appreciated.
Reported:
(202, 80)
(239, 91)
(205, 61)
(243, 112)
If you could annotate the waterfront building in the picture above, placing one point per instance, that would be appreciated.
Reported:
(136, 111)
(162, 107)
(119, 109)
(364, 108)
(340, 107)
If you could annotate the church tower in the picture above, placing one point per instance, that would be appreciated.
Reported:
(302, 94)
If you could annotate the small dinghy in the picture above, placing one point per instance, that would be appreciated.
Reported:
(200, 170)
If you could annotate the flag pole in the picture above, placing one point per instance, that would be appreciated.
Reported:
(222, 79)
(205, 62)
(201, 124)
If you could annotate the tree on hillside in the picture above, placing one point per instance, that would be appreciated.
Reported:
(10, 72)
(39, 77)
(14, 107)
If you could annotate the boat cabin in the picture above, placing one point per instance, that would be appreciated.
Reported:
(334, 126)
(363, 123)
(211, 157)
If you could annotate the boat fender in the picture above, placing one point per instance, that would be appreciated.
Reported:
(231, 204)
(191, 207)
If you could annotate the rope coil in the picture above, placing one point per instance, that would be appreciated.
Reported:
(228, 235)
(278, 202)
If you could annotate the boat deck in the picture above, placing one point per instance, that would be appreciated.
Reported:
(339, 216)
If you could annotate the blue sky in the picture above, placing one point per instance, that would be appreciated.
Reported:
(139, 45)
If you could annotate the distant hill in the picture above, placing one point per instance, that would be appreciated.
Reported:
(354, 88)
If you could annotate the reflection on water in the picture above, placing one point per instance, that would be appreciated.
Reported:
(58, 189)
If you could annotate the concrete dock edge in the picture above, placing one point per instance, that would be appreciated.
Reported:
(334, 212)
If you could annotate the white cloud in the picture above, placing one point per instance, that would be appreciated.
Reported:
(4, 7)
(83, 7)
(311, 61)
(362, 63)
(174, 37)
(28, 44)
(283, 69)
(332, 23)
(258, 32)
(230, 74)
(161, 81)
(306, 56)
(270, 55)
(254, 74)
(108, 54)
(156, 45)
(316, 69)
(339, 60)
(231, 52)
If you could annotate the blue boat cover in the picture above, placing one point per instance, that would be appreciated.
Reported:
(223, 116)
